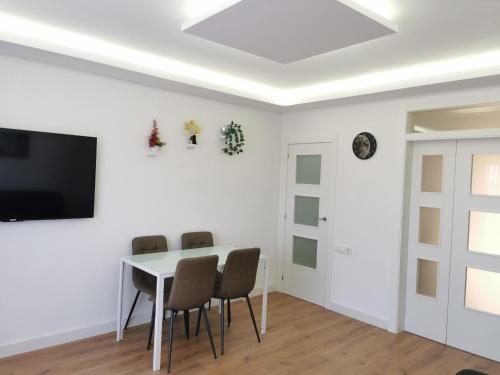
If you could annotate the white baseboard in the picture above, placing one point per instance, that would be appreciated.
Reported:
(41, 342)
(35, 343)
(359, 315)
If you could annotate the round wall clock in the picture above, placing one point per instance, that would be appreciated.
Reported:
(364, 145)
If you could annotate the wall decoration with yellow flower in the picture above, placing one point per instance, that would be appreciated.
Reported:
(192, 130)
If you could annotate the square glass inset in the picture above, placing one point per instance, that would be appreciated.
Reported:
(427, 277)
(485, 175)
(482, 291)
(484, 232)
(308, 169)
(432, 174)
(304, 251)
(430, 225)
(306, 210)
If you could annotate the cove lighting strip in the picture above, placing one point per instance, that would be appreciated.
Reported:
(45, 37)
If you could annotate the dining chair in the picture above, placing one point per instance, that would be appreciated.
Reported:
(143, 281)
(236, 281)
(193, 286)
(197, 240)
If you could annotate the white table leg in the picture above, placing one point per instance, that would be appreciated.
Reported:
(158, 323)
(264, 298)
(119, 331)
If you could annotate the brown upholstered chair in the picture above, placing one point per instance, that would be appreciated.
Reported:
(196, 240)
(236, 281)
(143, 281)
(193, 286)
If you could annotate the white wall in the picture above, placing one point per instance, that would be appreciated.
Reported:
(59, 278)
(368, 197)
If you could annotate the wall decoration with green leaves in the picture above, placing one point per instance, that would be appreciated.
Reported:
(234, 140)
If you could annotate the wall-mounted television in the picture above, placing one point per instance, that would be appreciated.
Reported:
(46, 175)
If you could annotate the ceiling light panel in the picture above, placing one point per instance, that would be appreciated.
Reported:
(289, 30)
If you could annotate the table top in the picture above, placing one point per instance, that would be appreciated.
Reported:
(164, 263)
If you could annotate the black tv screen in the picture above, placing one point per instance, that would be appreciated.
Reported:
(46, 175)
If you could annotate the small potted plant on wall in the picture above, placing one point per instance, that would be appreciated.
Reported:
(192, 130)
(233, 137)
(155, 142)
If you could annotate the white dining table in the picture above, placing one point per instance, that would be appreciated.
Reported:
(163, 265)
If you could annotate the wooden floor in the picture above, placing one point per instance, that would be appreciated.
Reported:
(302, 339)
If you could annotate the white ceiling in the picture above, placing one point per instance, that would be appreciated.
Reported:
(459, 39)
(289, 30)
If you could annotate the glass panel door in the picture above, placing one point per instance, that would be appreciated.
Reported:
(429, 239)
(474, 307)
(310, 176)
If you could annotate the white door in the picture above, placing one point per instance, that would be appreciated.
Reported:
(429, 242)
(474, 307)
(310, 174)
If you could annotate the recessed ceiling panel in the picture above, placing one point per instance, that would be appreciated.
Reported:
(289, 30)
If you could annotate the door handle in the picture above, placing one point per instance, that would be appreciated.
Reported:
(322, 218)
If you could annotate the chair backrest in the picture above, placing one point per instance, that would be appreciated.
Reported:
(145, 245)
(194, 282)
(240, 272)
(149, 244)
(194, 240)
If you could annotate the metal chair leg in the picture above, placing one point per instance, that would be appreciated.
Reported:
(186, 323)
(132, 309)
(222, 327)
(253, 318)
(151, 325)
(173, 314)
(209, 331)
(198, 322)
(228, 312)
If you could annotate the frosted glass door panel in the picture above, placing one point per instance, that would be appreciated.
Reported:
(486, 175)
(430, 225)
(306, 210)
(432, 174)
(483, 291)
(427, 277)
(304, 251)
(308, 169)
(484, 232)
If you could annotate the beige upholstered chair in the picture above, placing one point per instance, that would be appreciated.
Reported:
(193, 286)
(143, 281)
(236, 281)
(196, 240)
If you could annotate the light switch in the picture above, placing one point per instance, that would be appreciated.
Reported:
(343, 249)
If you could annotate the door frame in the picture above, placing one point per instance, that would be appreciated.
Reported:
(333, 140)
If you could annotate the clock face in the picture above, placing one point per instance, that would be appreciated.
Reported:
(364, 145)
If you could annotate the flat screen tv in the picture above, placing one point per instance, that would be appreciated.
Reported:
(46, 175)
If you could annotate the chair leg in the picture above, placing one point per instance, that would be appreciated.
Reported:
(210, 303)
(228, 312)
(222, 327)
(186, 323)
(151, 325)
(209, 331)
(253, 318)
(198, 322)
(132, 309)
(171, 338)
